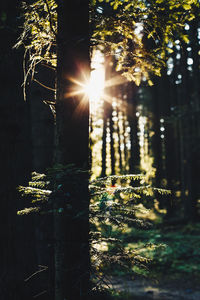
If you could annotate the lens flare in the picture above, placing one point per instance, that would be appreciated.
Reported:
(96, 88)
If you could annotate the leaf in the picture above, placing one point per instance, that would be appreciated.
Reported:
(170, 50)
(137, 80)
(185, 39)
(191, 17)
(150, 83)
(118, 67)
(150, 34)
(115, 6)
(166, 39)
(186, 6)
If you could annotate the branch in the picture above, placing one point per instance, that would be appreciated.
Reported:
(50, 21)
(43, 85)
(42, 268)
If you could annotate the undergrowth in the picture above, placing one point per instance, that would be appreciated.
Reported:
(173, 251)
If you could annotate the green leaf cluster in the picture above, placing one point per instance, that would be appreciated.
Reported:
(173, 250)
(141, 53)
(113, 207)
(39, 31)
(137, 33)
(38, 36)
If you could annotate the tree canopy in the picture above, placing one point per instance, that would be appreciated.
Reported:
(140, 34)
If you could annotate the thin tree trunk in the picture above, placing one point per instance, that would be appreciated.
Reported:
(112, 148)
(184, 132)
(125, 141)
(193, 155)
(103, 151)
(169, 144)
(119, 143)
(156, 140)
(134, 160)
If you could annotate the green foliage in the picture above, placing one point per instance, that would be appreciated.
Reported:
(138, 33)
(113, 208)
(47, 191)
(38, 36)
(173, 251)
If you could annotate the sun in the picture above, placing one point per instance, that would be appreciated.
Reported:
(92, 88)
(95, 89)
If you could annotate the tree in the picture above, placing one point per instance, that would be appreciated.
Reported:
(72, 115)
(16, 234)
(72, 139)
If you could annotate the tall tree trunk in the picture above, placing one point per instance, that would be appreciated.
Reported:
(72, 138)
(134, 160)
(107, 116)
(169, 143)
(119, 143)
(17, 251)
(103, 151)
(125, 140)
(42, 144)
(184, 102)
(112, 147)
(193, 155)
(156, 139)
(172, 140)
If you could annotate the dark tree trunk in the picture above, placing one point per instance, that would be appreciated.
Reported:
(134, 161)
(119, 144)
(42, 120)
(17, 251)
(103, 151)
(90, 141)
(172, 140)
(107, 116)
(125, 140)
(193, 155)
(184, 102)
(42, 145)
(72, 138)
(156, 139)
(169, 144)
(112, 147)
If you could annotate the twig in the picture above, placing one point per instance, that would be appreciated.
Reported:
(44, 268)
(48, 66)
(43, 85)
(42, 293)
(50, 21)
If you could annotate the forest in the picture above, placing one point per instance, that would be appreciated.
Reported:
(100, 143)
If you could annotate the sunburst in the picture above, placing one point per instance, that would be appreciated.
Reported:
(96, 88)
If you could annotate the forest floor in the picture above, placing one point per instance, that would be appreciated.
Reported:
(146, 289)
(174, 271)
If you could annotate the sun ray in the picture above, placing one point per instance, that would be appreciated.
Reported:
(114, 81)
(96, 88)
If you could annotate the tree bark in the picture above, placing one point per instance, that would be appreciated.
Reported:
(112, 148)
(72, 138)
(119, 143)
(103, 151)
(17, 251)
(134, 160)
